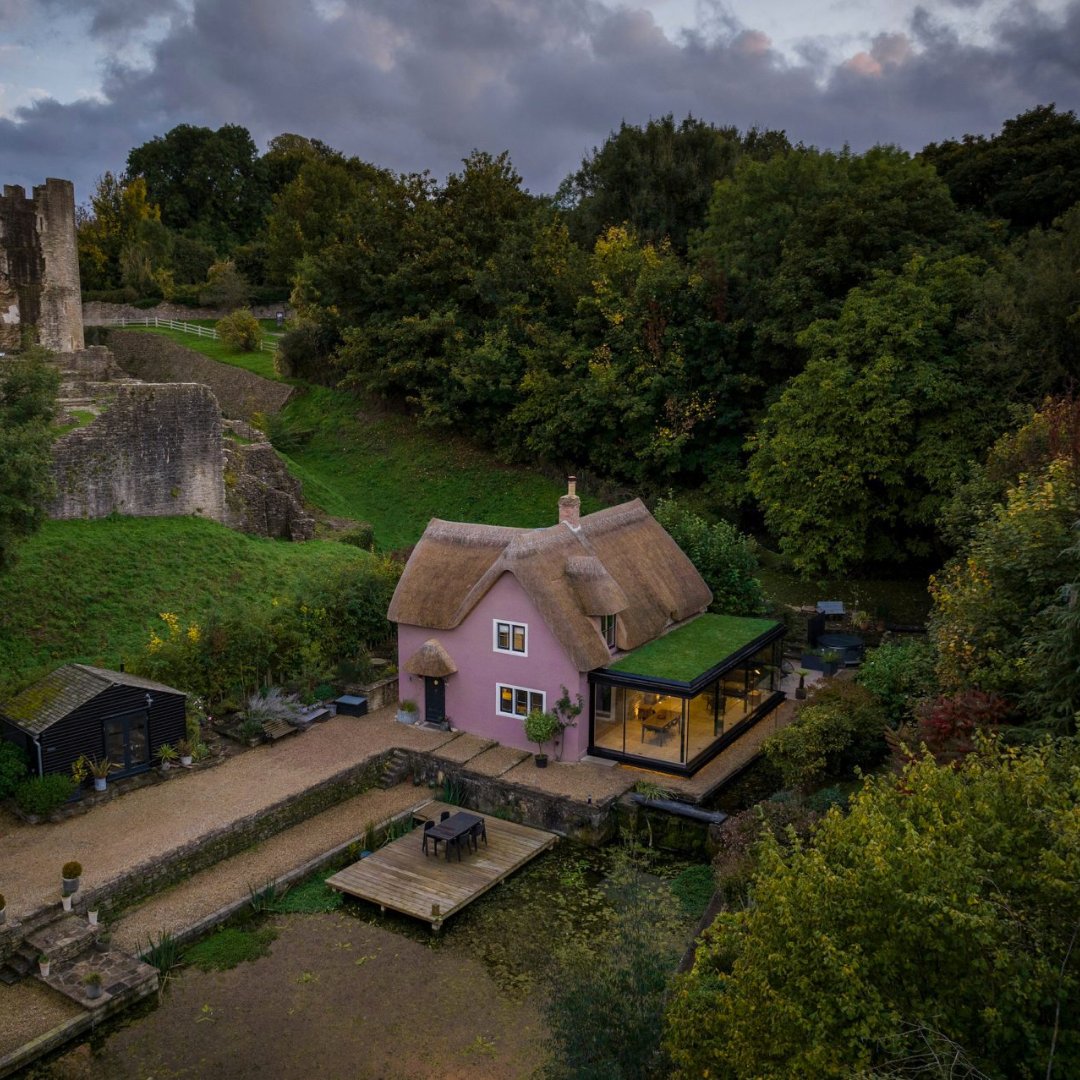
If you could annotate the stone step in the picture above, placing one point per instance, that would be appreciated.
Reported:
(396, 769)
(122, 976)
(63, 939)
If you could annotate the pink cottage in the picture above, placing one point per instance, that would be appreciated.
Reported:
(494, 622)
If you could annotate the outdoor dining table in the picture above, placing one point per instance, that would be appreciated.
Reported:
(453, 830)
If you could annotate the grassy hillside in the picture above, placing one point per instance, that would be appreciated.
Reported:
(261, 363)
(89, 591)
(386, 470)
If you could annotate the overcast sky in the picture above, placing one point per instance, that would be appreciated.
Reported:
(417, 84)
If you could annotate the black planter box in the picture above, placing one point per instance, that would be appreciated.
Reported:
(815, 662)
(351, 705)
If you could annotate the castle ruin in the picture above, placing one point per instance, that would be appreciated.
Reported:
(39, 268)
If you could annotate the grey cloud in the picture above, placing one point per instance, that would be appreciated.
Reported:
(414, 84)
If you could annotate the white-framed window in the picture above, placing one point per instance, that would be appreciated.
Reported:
(510, 637)
(607, 629)
(518, 700)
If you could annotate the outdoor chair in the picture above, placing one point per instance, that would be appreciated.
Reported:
(444, 815)
(478, 832)
(434, 839)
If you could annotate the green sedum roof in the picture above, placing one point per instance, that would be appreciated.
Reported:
(690, 650)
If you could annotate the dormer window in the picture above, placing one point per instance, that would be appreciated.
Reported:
(607, 629)
(511, 637)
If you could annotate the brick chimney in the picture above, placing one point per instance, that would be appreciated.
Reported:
(570, 504)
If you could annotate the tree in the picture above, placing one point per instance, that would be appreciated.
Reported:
(27, 404)
(1028, 173)
(793, 234)
(209, 184)
(856, 459)
(657, 179)
(226, 288)
(724, 557)
(945, 902)
(240, 330)
(995, 605)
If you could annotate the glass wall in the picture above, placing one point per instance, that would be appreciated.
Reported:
(672, 729)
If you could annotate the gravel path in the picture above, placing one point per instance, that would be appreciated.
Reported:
(30, 1009)
(225, 882)
(115, 837)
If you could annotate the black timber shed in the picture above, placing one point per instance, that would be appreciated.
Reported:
(78, 709)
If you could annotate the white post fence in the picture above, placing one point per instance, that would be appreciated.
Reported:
(265, 344)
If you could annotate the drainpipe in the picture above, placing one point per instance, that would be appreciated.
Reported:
(40, 763)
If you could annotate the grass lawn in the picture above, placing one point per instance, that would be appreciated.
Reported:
(89, 591)
(691, 650)
(261, 363)
(386, 470)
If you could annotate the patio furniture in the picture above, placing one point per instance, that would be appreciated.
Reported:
(452, 829)
(428, 826)
(478, 832)
(657, 723)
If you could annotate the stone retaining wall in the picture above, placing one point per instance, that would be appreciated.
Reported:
(167, 869)
(155, 358)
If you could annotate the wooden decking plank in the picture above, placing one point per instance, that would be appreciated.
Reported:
(402, 878)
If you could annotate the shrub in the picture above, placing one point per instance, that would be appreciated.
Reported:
(13, 768)
(840, 729)
(361, 535)
(948, 726)
(226, 288)
(541, 727)
(42, 795)
(694, 888)
(250, 729)
(899, 675)
(273, 704)
(71, 870)
(240, 330)
(304, 353)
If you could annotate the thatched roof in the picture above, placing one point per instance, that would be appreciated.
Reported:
(617, 561)
(66, 689)
(432, 660)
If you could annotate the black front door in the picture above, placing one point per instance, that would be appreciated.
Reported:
(127, 742)
(434, 700)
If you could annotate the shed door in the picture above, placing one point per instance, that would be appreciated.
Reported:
(434, 700)
(127, 741)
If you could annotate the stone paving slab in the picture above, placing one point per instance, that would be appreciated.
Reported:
(497, 760)
(464, 748)
(576, 780)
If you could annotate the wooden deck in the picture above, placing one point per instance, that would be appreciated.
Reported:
(402, 878)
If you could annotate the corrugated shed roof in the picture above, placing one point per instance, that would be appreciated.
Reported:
(66, 689)
(636, 561)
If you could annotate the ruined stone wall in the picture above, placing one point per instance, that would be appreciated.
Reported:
(155, 358)
(39, 267)
(154, 451)
(102, 313)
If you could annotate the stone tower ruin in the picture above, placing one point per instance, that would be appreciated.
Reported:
(39, 267)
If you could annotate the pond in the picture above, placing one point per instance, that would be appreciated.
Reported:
(354, 993)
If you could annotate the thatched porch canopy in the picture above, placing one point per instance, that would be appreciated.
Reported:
(431, 660)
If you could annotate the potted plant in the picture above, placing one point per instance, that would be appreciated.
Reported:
(100, 770)
(800, 690)
(103, 941)
(184, 749)
(92, 982)
(540, 728)
(824, 660)
(70, 873)
(92, 916)
(43, 965)
(167, 754)
(407, 711)
(3, 910)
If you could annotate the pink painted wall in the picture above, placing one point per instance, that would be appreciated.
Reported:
(471, 701)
